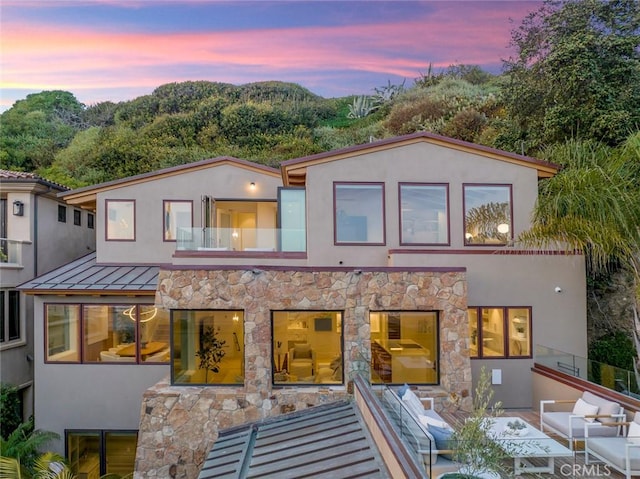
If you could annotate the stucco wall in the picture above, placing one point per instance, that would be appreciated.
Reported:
(179, 424)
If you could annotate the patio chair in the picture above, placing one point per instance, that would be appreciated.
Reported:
(606, 417)
(619, 453)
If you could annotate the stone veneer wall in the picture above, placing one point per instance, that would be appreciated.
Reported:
(179, 424)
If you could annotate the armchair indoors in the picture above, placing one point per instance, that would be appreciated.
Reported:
(301, 361)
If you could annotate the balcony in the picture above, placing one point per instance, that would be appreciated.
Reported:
(10, 253)
(248, 240)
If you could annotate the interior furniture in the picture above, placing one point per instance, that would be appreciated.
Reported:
(587, 409)
(110, 356)
(532, 444)
(301, 360)
(146, 350)
(621, 452)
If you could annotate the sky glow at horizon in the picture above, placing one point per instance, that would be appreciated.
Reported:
(118, 50)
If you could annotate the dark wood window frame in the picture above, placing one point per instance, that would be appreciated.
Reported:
(336, 242)
(505, 331)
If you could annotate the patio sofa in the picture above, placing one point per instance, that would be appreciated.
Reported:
(422, 427)
(620, 453)
(604, 416)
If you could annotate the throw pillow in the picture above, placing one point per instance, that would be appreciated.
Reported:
(428, 422)
(634, 433)
(443, 439)
(403, 389)
(583, 408)
(413, 403)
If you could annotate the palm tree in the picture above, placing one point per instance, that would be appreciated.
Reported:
(23, 444)
(591, 205)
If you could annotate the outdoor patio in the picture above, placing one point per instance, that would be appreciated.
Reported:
(565, 467)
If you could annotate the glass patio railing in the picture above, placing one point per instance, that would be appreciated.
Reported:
(10, 251)
(611, 377)
(241, 239)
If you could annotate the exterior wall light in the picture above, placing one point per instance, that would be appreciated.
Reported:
(18, 208)
(252, 185)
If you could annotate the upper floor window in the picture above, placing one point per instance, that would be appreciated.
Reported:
(121, 220)
(106, 333)
(10, 322)
(359, 213)
(77, 217)
(424, 217)
(500, 332)
(62, 214)
(177, 214)
(307, 347)
(208, 347)
(487, 214)
(404, 347)
(90, 221)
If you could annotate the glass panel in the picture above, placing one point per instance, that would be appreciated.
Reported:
(359, 214)
(120, 220)
(208, 347)
(77, 217)
(62, 214)
(473, 332)
(492, 332)
(487, 214)
(519, 332)
(109, 333)
(14, 315)
(292, 219)
(120, 450)
(83, 453)
(62, 324)
(412, 357)
(177, 214)
(423, 214)
(90, 219)
(307, 347)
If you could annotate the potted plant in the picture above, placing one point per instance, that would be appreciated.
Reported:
(211, 351)
(474, 447)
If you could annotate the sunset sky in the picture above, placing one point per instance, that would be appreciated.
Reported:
(119, 49)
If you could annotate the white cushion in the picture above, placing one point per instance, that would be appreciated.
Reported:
(413, 403)
(583, 408)
(430, 421)
(634, 433)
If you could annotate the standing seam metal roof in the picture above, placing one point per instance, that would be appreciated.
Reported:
(85, 275)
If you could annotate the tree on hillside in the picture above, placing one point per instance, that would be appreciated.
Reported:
(576, 73)
(33, 129)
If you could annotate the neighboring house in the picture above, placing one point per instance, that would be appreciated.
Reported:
(225, 292)
(38, 232)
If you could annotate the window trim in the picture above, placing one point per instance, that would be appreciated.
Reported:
(90, 221)
(509, 186)
(62, 214)
(505, 331)
(80, 343)
(382, 185)
(77, 217)
(106, 219)
(447, 206)
(164, 218)
(5, 303)
(102, 443)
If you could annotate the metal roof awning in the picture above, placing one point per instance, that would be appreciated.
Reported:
(326, 441)
(85, 276)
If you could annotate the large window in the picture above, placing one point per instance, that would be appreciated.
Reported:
(177, 214)
(93, 454)
(500, 332)
(107, 333)
(120, 220)
(10, 320)
(208, 347)
(292, 219)
(487, 214)
(307, 347)
(359, 213)
(424, 214)
(404, 347)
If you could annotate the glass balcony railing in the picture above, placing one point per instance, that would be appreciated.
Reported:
(241, 239)
(611, 377)
(10, 251)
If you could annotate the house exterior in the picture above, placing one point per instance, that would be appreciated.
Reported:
(224, 292)
(38, 232)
